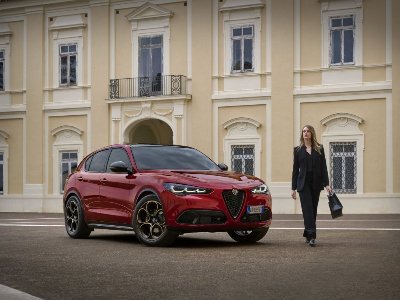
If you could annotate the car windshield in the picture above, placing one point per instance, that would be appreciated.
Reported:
(171, 158)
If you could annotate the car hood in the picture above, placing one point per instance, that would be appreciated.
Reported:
(211, 178)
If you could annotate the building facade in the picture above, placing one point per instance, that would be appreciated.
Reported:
(236, 79)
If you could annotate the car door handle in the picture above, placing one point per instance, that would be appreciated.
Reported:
(103, 180)
(80, 178)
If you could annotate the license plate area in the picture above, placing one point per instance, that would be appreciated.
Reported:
(255, 209)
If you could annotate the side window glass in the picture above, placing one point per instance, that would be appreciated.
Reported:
(99, 161)
(118, 154)
(87, 163)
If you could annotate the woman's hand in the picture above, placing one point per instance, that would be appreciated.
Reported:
(328, 189)
(293, 194)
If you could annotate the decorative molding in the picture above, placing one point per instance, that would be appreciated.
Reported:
(66, 127)
(341, 118)
(68, 22)
(3, 137)
(241, 122)
(133, 113)
(340, 4)
(240, 4)
(5, 30)
(149, 11)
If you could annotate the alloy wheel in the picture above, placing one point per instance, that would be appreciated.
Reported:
(72, 216)
(151, 220)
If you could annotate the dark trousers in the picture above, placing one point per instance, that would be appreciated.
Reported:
(309, 204)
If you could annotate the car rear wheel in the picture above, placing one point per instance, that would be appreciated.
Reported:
(248, 236)
(74, 221)
(149, 223)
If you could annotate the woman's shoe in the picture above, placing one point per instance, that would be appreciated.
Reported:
(312, 242)
(307, 240)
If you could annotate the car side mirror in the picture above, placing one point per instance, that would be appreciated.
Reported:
(120, 167)
(223, 167)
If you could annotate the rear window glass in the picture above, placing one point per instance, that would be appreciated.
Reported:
(171, 158)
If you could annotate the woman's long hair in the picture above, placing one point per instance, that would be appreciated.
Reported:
(314, 143)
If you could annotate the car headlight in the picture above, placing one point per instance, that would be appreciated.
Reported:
(261, 189)
(183, 189)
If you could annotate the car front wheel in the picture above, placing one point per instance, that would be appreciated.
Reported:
(248, 236)
(74, 221)
(149, 223)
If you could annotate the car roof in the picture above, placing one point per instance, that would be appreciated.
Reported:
(157, 145)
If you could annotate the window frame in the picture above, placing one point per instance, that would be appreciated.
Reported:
(344, 127)
(332, 155)
(243, 159)
(242, 19)
(331, 11)
(61, 161)
(341, 29)
(68, 55)
(242, 38)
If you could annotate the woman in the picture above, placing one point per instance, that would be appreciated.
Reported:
(309, 177)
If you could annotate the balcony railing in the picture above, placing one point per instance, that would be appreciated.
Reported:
(166, 85)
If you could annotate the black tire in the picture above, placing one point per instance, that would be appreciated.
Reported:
(149, 223)
(248, 236)
(75, 224)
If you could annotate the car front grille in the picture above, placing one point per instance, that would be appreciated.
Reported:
(234, 201)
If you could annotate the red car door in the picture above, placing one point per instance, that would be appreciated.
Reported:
(90, 185)
(116, 191)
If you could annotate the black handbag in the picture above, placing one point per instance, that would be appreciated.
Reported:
(335, 206)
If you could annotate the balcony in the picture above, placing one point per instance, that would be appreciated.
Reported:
(166, 85)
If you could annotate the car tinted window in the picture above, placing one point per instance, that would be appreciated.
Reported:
(99, 161)
(118, 154)
(87, 163)
(171, 158)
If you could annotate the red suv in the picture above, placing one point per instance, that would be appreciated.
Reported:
(161, 192)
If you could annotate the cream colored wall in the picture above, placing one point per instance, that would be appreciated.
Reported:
(14, 128)
(221, 50)
(374, 129)
(310, 37)
(374, 32)
(178, 41)
(396, 94)
(54, 122)
(374, 74)
(123, 45)
(17, 60)
(100, 76)
(34, 98)
(200, 134)
(255, 112)
(282, 90)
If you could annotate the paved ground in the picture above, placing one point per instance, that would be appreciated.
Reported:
(357, 257)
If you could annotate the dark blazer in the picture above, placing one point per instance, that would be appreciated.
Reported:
(319, 169)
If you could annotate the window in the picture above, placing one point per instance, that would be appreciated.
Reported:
(342, 30)
(150, 65)
(69, 162)
(68, 55)
(243, 159)
(118, 154)
(1, 173)
(99, 161)
(2, 62)
(242, 48)
(343, 167)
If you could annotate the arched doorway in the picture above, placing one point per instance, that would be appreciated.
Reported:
(150, 131)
